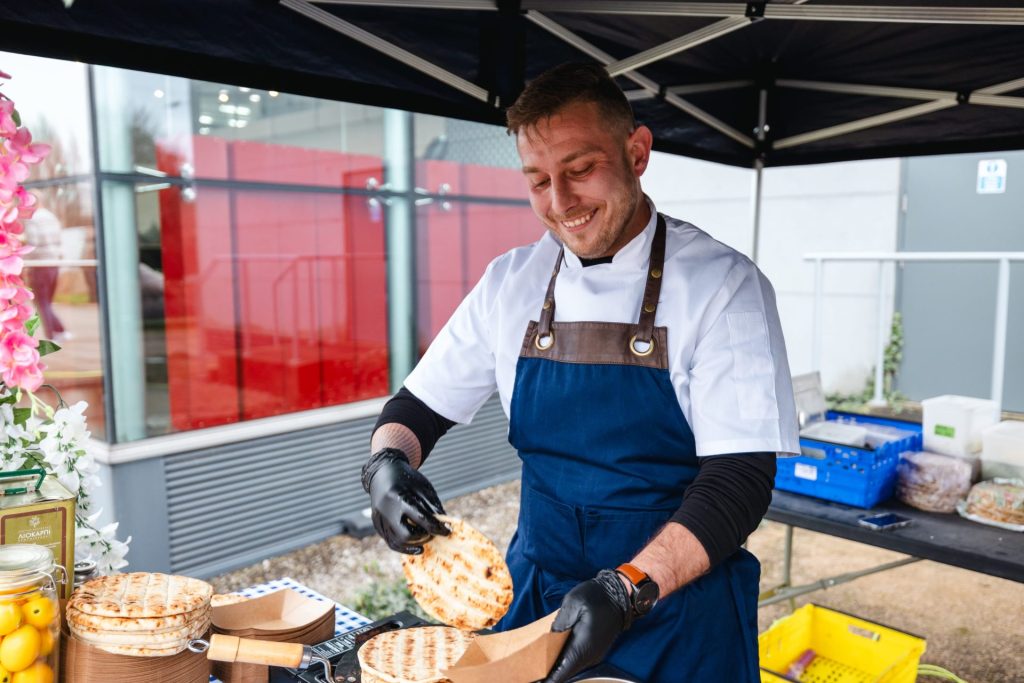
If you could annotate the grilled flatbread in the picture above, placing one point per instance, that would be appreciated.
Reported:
(145, 651)
(461, 579)
(80, 620)
(412, 655)
(141, 594)
(142, 638)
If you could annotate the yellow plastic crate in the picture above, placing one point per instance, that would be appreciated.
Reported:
(848, 649)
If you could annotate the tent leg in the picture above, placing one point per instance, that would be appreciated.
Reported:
(756, 205)
(760, 134)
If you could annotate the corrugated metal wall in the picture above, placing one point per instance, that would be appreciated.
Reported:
(235, 505)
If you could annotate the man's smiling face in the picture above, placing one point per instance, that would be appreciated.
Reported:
(584, 179)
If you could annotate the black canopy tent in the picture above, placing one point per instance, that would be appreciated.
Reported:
(830, 81)
(750, 84)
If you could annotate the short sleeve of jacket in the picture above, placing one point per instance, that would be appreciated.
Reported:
(741, 392)
(456, 375)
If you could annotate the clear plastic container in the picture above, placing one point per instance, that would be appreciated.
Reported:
(953, 424)
(29, 613)
(1002, 453)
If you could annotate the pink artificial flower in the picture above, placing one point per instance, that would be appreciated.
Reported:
(7, 125)
(19, 360)
(11, 242)
(11, 265)
(20, 145)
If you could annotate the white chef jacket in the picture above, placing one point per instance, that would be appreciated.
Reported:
(727, 356)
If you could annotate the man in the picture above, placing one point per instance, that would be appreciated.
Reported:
(644, 372)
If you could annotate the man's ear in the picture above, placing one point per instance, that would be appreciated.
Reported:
(638, 149)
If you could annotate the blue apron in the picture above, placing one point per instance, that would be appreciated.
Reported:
(607, 454)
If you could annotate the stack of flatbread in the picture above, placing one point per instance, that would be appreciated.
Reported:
(412, 655)
(140, 614)
(460, 579)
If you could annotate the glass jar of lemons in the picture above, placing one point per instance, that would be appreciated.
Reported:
(29, 614)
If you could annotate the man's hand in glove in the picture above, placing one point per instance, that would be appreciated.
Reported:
(597, 611)
(404, 504)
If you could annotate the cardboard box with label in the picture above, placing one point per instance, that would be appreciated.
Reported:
(35, 508)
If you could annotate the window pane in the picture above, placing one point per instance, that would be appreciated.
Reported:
(454, 245)
(466, 158)
(56, 115)
(182, 128)
(61, 271)
(259, 303)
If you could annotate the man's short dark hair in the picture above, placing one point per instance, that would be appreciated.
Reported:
(568, 84)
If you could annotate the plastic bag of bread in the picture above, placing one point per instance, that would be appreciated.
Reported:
(998, 502)
(932, 482)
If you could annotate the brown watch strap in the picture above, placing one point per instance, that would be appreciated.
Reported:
(635, 576)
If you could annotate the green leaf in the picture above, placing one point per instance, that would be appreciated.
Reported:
(21, 415)
(32, 325)
(17, 117)
(8, 399)
(47, 347)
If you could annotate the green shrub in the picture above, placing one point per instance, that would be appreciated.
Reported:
(385, 595)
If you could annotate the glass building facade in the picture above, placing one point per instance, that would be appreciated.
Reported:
(209, 254)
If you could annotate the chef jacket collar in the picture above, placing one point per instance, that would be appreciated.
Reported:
(634, 254)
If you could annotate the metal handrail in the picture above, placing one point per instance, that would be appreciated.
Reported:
(1003, 258)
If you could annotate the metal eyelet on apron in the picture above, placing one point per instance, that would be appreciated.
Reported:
(544, 347)
(637, 352)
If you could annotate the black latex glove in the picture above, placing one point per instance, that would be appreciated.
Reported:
(597, 611)
(404, 505)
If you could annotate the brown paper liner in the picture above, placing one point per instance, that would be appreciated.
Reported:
(284, 616)
(311, 634)
(83, 663)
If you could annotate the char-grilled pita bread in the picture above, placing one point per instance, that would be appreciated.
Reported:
(130, 651)
(412, 655)
(156, 639)
(460, 579)
(141, 594)
(80, 620)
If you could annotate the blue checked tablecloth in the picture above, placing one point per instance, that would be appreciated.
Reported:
(344, 618)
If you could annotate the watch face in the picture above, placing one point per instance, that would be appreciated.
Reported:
(646, 597)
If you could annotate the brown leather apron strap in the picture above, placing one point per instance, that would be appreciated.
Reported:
(649, 306)
(547, 313)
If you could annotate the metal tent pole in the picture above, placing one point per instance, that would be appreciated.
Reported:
(760, 133)
(384, 47)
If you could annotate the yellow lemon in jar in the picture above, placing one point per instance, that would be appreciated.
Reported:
(20, 649)
(39, 612)
(10, 617)
(37, 673)
(45, 642)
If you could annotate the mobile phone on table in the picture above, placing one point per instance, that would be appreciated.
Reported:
(884, 521)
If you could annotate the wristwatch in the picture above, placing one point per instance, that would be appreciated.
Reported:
(644, 595)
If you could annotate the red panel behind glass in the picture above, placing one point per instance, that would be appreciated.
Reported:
(196, 257)
(311, 282)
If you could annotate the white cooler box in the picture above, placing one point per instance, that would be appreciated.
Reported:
(954, 424)
(1002, 453)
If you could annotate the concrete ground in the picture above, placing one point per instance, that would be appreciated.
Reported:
(974, 624)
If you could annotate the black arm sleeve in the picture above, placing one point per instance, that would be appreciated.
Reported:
(405, 409)
(727, 500)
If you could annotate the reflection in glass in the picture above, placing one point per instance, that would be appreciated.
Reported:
(185, 128)
(61, 270)
(58, 116)
(454, 244)
(467, 158)
(257, 304)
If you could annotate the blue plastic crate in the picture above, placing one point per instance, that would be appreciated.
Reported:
(861, 477)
